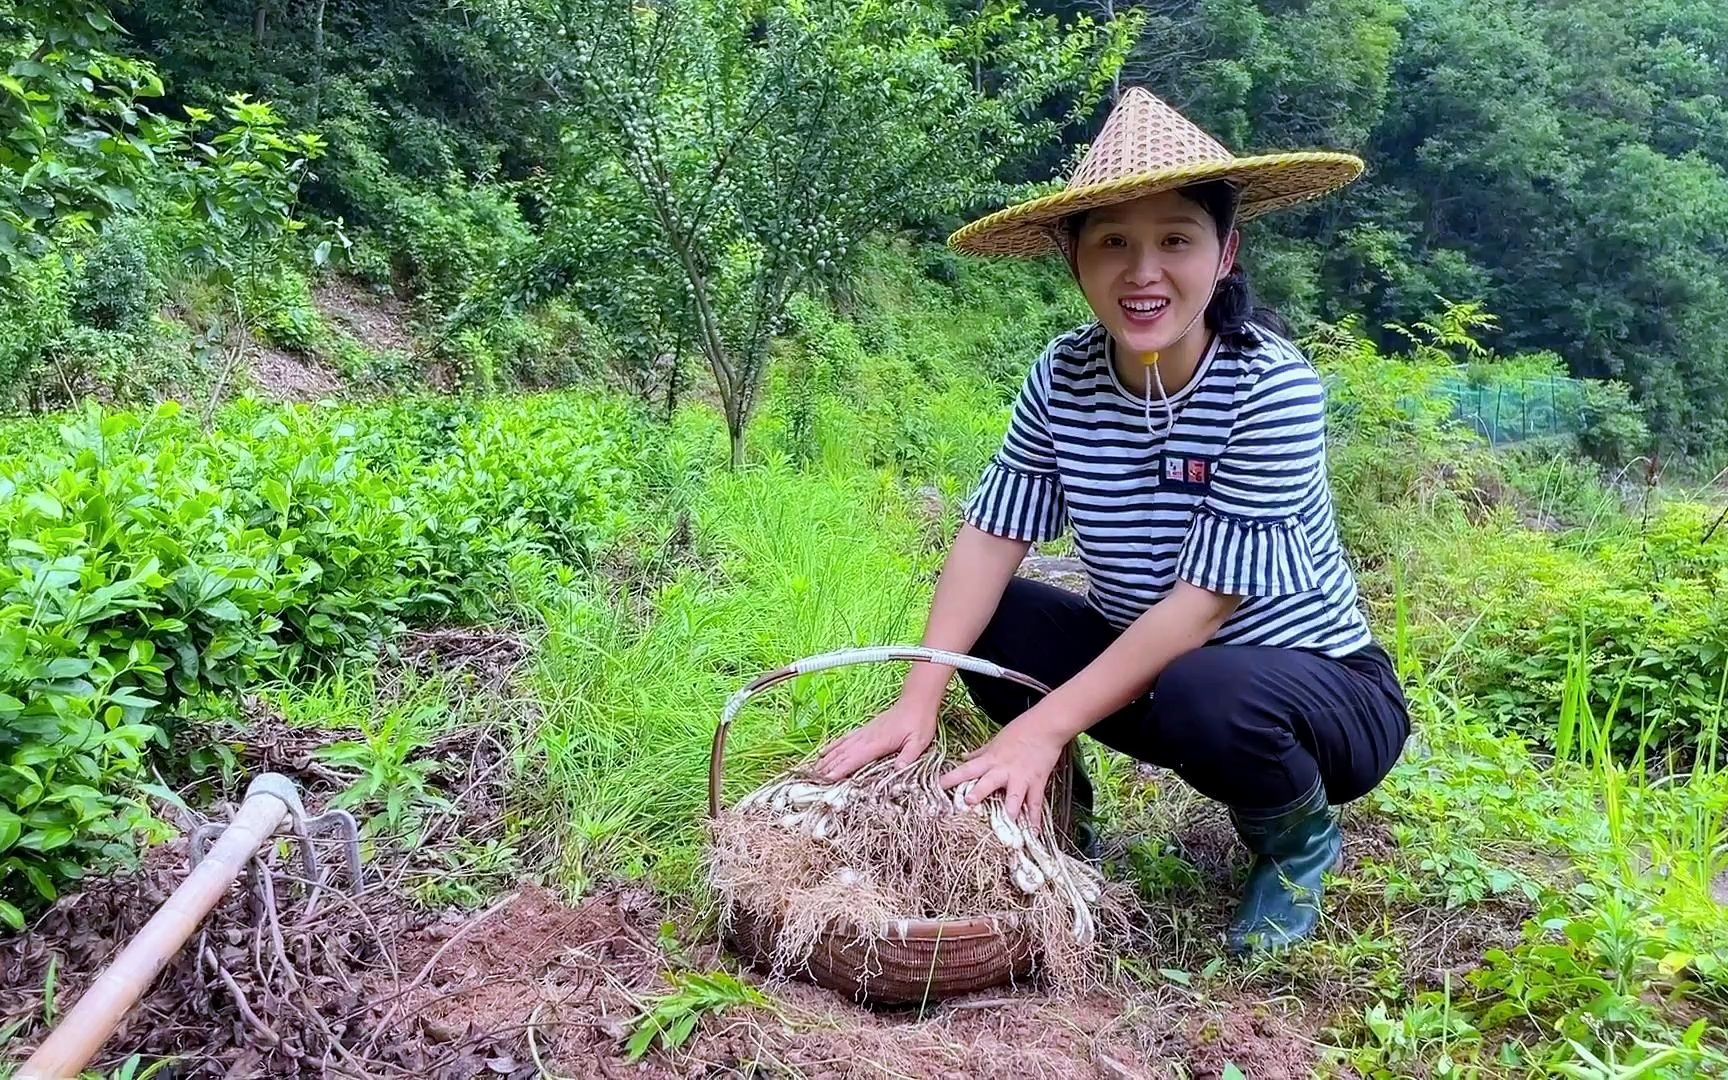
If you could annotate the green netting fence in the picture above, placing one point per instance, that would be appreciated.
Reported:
(1510, 411)
(1505, 411)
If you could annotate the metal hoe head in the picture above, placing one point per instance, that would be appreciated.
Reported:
(339, 824)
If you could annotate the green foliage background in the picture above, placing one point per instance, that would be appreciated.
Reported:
(1561, 164)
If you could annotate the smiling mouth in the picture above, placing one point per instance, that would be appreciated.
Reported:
(1144, 309)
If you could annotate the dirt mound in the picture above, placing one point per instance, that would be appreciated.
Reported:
(827, 1038)
(286, 376)
(1030, 1034)
(379, 322)
(575, 977)
(1208, 1037)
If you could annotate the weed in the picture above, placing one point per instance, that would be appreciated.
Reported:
(393, 779)
(51, 992)
(673, 1017)
(795, 566)
(1429, 1030)
(469, 874)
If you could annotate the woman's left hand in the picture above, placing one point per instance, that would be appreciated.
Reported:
(1017, 762)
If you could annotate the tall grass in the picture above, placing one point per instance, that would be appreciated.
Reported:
(1674, 826)
(788, 565)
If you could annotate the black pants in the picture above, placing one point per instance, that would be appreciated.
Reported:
(1249, 726)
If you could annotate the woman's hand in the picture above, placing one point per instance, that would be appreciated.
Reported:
(1017, 762)
(904, 728)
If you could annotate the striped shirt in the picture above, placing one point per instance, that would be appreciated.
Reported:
(1236, 500)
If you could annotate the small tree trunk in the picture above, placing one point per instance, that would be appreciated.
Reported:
(672, 387)
(258, 23)
(317, 57)
(1116, 79)
(735, 428)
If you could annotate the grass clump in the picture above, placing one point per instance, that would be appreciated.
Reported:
(784, 566)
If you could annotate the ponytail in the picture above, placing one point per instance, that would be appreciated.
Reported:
(1234, 309)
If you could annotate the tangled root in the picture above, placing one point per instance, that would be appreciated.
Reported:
(888, 844)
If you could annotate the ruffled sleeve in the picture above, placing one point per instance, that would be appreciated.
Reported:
(1250, 535)
(1246, 557)
(1020, 494)
(1017, 505)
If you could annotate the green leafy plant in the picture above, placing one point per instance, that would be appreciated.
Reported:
(1643, 1058)
(77, 142)
(1577, 973)
(1431, 1030)
(391, 778)
(469, 874)
(673, 1017)
(133, 1068)
(154, 568)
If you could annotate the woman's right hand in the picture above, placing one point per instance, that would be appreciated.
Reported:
(904, 728)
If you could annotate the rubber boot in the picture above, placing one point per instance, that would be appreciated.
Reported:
(1085, 835)
(1293, 846)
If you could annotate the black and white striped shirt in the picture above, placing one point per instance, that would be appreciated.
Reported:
(1236, 500)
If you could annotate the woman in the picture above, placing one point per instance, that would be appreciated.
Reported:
(1181, 437)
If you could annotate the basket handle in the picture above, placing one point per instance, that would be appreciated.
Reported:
(842, 658)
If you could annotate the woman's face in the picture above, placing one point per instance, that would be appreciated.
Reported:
(1149, 267)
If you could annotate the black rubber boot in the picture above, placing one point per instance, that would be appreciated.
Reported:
(1085, 836)
(1294, 846)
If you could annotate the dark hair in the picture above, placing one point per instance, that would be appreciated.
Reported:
(1233, 306)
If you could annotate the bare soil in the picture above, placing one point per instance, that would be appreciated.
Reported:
(374, 986)
(285, 376)
(537, 983)
(379, 322)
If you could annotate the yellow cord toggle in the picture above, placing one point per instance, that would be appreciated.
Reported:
(1150, 359)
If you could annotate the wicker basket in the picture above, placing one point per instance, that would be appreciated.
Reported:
(916, 960)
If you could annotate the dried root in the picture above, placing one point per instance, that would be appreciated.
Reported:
(889, 843)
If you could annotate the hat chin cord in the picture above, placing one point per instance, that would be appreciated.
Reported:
(1150, 359)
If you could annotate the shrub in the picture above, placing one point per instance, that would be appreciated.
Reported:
(1511, 607)
(38, 311)
(278, 304)
(1422, 497)
(113, 287)
(127, 589)
(1613, 430)
(447, 238)
(154, 568)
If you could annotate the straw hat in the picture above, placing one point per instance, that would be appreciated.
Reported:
(1147, 147)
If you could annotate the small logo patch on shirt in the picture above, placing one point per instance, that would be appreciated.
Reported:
(1186, 472)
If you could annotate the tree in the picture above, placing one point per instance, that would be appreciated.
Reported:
(743, 150)
(76, 140)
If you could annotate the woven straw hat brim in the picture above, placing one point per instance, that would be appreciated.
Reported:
(1268, 182)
